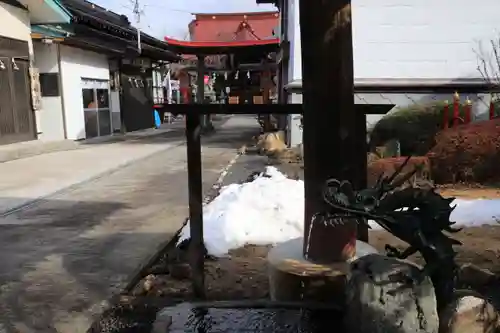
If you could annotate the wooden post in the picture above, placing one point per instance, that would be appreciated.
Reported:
(492, 110)
(330, 139)
(196, 245)
(361, 180)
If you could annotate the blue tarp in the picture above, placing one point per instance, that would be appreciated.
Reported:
(157, 119)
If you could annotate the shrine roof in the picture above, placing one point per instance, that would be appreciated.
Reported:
(233, 26)
(221, 47)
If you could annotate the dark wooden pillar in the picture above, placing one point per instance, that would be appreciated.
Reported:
(196, 246)
(330, 137)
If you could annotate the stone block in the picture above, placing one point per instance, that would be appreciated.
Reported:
(469, 313)
(386, 295)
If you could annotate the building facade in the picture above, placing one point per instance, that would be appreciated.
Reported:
(95, 78)
(72, 82)
(19, 101)
(401, 47)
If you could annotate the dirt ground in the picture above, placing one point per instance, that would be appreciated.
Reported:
(244, 274)
(245, 270)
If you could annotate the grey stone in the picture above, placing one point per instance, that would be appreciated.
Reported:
(385, 295)
(470, 312)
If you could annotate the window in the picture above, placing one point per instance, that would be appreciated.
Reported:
(89, 100)
(102, 98)
(97, 113)
(157, 88)
(49, 84)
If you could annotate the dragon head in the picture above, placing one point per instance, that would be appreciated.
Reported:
(342, 196)
(387, 203)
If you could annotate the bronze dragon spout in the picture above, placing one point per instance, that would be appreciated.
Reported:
(419, 217)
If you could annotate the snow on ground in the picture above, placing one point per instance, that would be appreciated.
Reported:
(270, 210)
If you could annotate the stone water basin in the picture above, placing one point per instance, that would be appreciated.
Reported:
(186, 318)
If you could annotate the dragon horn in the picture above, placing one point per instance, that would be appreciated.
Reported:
(364, 221)
(379, 180)
(398, 170)
(404, 179)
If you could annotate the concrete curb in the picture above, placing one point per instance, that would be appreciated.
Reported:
(35, 148)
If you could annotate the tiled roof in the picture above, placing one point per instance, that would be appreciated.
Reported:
(233, 26)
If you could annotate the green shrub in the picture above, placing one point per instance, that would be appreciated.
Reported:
(415, 127)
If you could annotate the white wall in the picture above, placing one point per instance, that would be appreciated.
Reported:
(15, 23)
(75, 65)
(49, 119)
(408, 39)
(293, 22)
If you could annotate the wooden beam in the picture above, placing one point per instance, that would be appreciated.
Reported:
(37, 36)
(284, 109)
(330, 136)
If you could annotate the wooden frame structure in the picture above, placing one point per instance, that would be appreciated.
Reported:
(193, 115)
(326, 82)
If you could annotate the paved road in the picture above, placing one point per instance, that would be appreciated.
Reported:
(65, 255)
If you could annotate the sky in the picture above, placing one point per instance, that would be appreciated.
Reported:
(170, 18)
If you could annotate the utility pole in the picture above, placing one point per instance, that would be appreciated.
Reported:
(331, 143)
(137, 13)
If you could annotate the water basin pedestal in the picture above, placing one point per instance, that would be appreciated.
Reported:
(294, 278)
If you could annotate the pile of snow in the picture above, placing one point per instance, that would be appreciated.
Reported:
(476, 212)
(270, 210)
